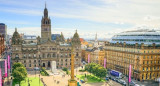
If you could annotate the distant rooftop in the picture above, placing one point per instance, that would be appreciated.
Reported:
(2, 24)
(54, 36)
(146, 36)
(29, 37)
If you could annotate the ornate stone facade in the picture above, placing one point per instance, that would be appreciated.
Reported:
(45, 50)
(145, 60)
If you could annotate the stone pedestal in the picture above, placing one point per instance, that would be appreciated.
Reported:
(72, 82)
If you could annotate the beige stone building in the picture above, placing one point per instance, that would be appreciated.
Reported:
(43, 51)
(140, 49)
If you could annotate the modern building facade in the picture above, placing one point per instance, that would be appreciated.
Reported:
(128, 48)
(43, 51)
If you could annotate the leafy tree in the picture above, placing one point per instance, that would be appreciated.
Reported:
(96, 69)
(65, 69)
(19, 74)
(16, 65)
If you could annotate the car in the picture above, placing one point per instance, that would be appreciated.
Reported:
(132, 83)
(82, 81)
(136, 85)
(122, 82)
(107, 78)
(36, 68)
(118, 80)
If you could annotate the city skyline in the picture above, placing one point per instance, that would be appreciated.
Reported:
(104, 17)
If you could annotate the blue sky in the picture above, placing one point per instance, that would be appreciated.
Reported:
(104, 17)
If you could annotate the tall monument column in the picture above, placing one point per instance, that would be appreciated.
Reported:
(72, 82)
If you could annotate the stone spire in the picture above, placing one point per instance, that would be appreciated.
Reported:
(45, 5)
(45, 11)
(96, 38)
(62, 39)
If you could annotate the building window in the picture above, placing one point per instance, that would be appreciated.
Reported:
(34, 60)
(29, 61)
(35, 65)
(154, 68)
(77, 54)
(143, 68)
(29, 65)
(43, 55)
(34, 55)
(29, 55)
(147, 68)
(147, 62)
(66, 54)
(24, 55)
(143, 57)
(24, 61)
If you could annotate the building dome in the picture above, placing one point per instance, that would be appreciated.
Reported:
(145, 36)
(16, 39)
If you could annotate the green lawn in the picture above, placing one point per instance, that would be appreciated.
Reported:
(91, 78)
(32, 80)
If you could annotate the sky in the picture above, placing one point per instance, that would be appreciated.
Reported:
(104, 17)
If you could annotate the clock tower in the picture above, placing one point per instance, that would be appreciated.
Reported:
(45, 26)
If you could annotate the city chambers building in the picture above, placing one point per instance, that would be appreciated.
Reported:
(44, 50)
(140, 48)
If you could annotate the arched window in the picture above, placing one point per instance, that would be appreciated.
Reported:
(54, 55)
(43, 55)
(77, 54)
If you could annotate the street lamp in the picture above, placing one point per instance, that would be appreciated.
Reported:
(39, 79)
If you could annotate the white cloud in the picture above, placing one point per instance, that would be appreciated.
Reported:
(135, 12)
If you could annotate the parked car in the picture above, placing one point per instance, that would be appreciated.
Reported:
(107, 78)
(132, 83)
(82, 81)
(113, 79)
(122, 82)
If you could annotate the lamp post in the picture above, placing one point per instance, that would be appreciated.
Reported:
(39, 69)
(39, 79)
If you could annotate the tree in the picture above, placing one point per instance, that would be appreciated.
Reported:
(19, 74)
(16, 65)
(101, 72)
(96, 69)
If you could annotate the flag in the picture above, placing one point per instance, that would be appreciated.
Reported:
(104, 62)
(0, 77)
(5, 65)
(129, 73)
(9, 62)
(88, 58)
